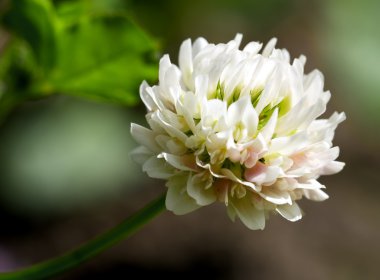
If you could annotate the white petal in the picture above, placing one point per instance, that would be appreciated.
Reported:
(276, 196)
(177, 199)
(168, 127)
(250, 216)
(146, 97)
(271, 90)
(238, 39)
(315, 194)
(290, 212)
(323, 130)
(262, 174)
(188, 108)
(226, 173)
(163, 67)
(290, 144)
(157, 168)
(186, 62)
(198, 45)
(141, 154)
(300, 116)
(201, 86)
(268, 130)
(269, 47)
(171, 145)
(144, 137)
(332, 168)
(253, 48)
(243, 111)
(199, 187)
(184, 162)
(310, 184)
(171, 79)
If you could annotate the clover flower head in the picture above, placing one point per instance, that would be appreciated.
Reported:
(239, 127)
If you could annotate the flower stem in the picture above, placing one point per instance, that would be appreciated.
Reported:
(92, 248)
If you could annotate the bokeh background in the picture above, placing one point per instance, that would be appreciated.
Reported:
(66, 174)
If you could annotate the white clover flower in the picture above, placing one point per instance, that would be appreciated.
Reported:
(239, 127)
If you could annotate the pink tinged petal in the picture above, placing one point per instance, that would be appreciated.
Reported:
(252, 158)
(290, 212)
(184, 162)
(315, 194)
(200, 188)
(157, 168)
(177, 199)
(140, 154)
(262, 174)
(247, 212)
(269, 47)
(252, 151)
(144, 137)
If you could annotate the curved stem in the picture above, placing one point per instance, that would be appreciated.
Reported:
(92, 248)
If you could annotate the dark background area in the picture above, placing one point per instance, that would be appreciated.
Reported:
(66, 174)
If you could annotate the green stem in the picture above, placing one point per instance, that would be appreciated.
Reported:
(92, 248)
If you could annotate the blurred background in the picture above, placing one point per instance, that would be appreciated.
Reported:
(69, 77)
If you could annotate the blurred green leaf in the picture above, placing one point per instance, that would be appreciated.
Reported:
(80, 48)
(34, 21)
(103, 57)
(17, 74)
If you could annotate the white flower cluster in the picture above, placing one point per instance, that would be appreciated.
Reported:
(239, 127)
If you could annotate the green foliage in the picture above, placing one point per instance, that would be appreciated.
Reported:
(83, 48)
(34, 21)
(104, 57)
